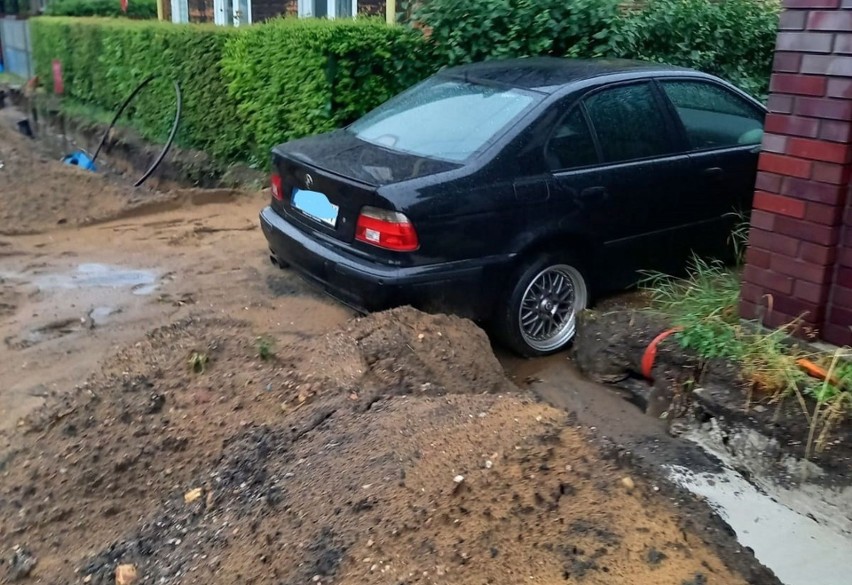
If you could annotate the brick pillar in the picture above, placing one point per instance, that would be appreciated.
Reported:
(798, 246)
(839, 318)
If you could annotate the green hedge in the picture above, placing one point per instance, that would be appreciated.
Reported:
(295, 77)
(103, 60)
(475, 30)
(731, 38)
(734, 39)
(143, 9)
(245, 89)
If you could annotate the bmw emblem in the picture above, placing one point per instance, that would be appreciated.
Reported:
(309, 181)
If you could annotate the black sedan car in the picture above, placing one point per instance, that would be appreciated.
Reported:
(514, 192)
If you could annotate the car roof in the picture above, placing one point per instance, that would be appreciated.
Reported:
(550, 74)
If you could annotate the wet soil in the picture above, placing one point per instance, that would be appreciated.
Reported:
(788, 509)
(38, 192)
(359, 467)
(175, 404)
(128, 155)
(610, 348)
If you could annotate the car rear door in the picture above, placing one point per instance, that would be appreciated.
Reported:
(626, 200)
(723, 131)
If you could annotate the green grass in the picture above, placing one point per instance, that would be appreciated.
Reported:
(75, 109)
(704, 305)
(265, 348)
(198, 361)
(11, 79)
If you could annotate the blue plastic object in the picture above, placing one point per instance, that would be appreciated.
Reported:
(80, 159)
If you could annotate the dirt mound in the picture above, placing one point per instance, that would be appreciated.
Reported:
(408, 352)
(194, 459)
(38, 194)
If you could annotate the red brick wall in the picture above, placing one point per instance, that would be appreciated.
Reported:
(799, 262)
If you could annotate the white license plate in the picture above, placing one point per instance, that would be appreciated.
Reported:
(316, 206)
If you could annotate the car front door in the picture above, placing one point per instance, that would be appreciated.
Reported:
(723, 131)
(622, 182)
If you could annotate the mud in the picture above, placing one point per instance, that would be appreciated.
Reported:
(303, 479)
(610, 347)
(640, 442)
(128, 155)
(40, 194)
(233, 426)
(789, 510)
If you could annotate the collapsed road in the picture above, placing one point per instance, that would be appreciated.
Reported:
(176, 410)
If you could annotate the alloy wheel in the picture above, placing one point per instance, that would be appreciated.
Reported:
(548, 313)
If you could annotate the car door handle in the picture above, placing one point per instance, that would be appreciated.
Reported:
(713, 173)
(594, 192)
(532, 190)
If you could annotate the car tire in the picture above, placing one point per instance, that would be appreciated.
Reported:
(539, 313)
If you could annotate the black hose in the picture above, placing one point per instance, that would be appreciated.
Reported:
(168, 145)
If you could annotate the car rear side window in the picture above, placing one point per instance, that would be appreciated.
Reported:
(629, 123)
(571, 144)
(713, 116)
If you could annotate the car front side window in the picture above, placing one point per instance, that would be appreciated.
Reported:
(629, 123)
(712, 116)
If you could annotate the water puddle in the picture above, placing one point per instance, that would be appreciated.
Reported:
(796, 521)
(797, 548)
(100, 315)
(90, 275)
(53, 330)
(78, 298)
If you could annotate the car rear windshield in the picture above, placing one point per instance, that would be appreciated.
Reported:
(443, 118)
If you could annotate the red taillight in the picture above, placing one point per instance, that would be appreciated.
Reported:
(277, 191)
(386, 229)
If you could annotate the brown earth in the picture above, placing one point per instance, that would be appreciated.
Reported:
(343, 466)
(143, 427)
(39, 193)
(611, 344)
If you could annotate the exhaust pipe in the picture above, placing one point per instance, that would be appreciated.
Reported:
(276, 261)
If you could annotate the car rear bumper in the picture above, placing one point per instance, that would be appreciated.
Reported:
(469, 288)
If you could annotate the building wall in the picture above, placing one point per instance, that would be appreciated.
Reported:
(201, 11)
(265, 9)
(372, 7)
(799, 261)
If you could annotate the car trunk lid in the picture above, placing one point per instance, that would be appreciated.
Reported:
(326, 180)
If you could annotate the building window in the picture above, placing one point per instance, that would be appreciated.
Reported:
(232, 12)
(180, 11)
(328, 8)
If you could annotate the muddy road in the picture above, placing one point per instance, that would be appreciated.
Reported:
(177, 410)
(71, 296)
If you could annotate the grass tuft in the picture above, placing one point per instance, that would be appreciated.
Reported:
(704, 305)
(265, 348)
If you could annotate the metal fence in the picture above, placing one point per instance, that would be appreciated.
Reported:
(17, 50)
